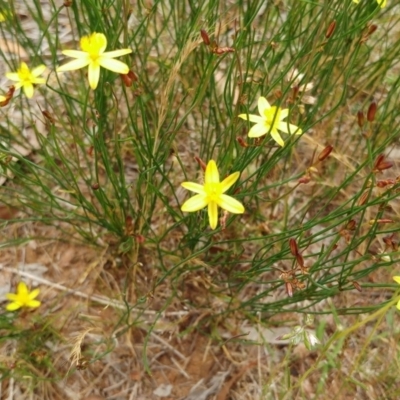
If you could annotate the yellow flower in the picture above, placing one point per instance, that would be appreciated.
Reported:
(2, 98)
(397, 280)
(23, 298)
(270, 120)
(94, 56)
(26, 78)
(211, 194)
(382, 3)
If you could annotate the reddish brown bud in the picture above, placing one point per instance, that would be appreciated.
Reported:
(305, 179)
(202, 164)
(381, 221)
(325, 153)
(221, 50)
(140, 238)
(300, 260)
(90, 151)
(351, 225)
(48, 116)
(95, 186)
(357, 285)
(8, 96)
(242, 142)
(330, 30)
(67, 3)
(371, 112)
(205, 37)
(363, 198)
(381, 164)
(293, 246)
(360, 118)
(289, 289)
(371, 29)
(383, 183)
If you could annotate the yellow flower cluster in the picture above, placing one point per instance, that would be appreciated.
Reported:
(93, 56)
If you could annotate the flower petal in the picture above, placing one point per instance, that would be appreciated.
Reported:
(33, 294)
(116, 53)
(229, 181)
(212, 174)
(12, 296)
(194, 187)
(230, 204)
(13, 76)
(38, 70)
(213, 214)
(28, 89)
(397, 279)
(195, 203)
(113, 65)
(33, 303)
(263, 105)
(93, 75)
(75, 54)
(277, 137)
(289, 128)
(13, 306)
(252, 118)
(283, 114)
(258, 130)
(22, 289)
(74, 65)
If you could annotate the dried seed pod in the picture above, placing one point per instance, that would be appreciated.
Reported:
(381, 164)
(205, 37)
(202, 164)
(241, 142)
(371, 112)
(293, 246)
(357, 285)
(325, 153)
(331, 29)
(363, 198)
(360, 118)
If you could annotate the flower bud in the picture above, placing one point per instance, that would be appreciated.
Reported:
(371, 112)
(331, 29)
(205, 37)
(202, 164)
(360, 118)
(325, 153)
(293, 246)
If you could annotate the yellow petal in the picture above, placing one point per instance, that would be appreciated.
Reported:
(75, 54)
(38, 70)
(194, 187)
(13, 76)
(289, 128)
(229, 181)
(74, 65)
(258, 130)
(252, 118)
(12, 296)
(283, 113)
(33, 294)
(22, 288)
(397, 279)
(277, 137)
(116, 53)
(230, 204)
(13, 306)
(213, 214)
(195, 203)
(28, 90)
(93, 75)
(33, 303)
(212, 174)
(113, 65)
(263, 105)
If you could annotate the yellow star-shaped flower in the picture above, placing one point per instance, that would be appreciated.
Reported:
(270, 120)
(26, 78)
(23, 298)
(397, 280)
(211, 194)
(93, 54)
(382, 3)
